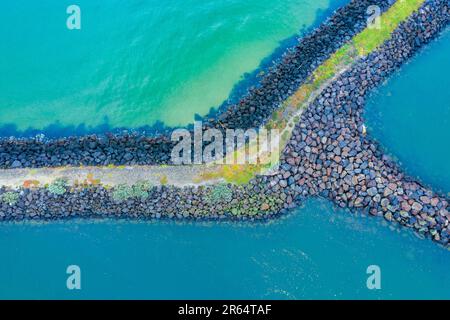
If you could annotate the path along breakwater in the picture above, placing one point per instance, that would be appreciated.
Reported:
(328, 155)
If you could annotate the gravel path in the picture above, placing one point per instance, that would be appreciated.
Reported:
(175, 175)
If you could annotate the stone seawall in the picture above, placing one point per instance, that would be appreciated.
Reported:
(328, 155)
(252, 111)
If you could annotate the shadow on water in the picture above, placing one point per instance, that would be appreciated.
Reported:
(58, 130)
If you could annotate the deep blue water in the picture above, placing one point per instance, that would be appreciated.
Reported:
(317, 252)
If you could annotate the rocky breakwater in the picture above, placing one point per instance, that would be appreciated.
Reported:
(143, 201)
(330, 155)
(252, 110)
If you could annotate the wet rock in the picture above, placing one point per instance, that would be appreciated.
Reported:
(406, 206)
(16, 164)
(434, 202)
(425, 200)
(283, 183)
(417, 206)
(372, 191)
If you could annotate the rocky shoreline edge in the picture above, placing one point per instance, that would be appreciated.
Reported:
(328, 155)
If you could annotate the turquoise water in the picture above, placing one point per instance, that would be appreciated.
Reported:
(135, 62)
(410, 115)
(315, 253)
(138, 62)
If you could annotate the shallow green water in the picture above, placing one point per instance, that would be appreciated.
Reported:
(135, 62)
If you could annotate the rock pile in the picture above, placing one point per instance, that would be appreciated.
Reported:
(331, 157)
